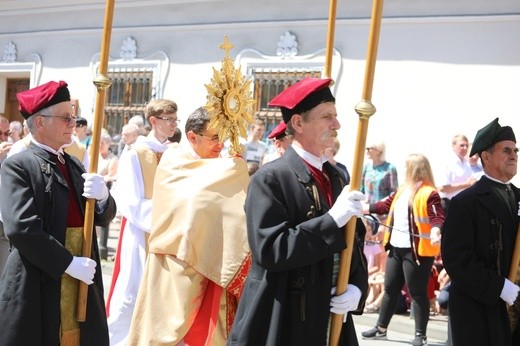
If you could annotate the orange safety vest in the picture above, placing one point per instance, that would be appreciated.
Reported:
(421, 219)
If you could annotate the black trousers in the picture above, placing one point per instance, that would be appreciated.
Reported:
(401, 269)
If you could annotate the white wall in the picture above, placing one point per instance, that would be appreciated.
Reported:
(443, 67)
(435, 79)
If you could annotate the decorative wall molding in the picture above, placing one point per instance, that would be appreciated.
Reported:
(252, 60)
(31, 65)
(9, 52)
(128, 49)
(57, 6)
(158, 62)
(287, 46)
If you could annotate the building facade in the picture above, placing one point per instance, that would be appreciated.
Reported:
(443, 67)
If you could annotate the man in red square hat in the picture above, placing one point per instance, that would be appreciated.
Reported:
(296, 209)
(280, 140)
(43, 218)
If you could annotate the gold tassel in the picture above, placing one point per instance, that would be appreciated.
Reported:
(70, 338)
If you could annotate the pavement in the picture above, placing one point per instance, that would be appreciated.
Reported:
(400, 332)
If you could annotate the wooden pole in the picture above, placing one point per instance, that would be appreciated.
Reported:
(330, 38)
(365, 110)
(515, 261)
(102, 83)
(513, 271)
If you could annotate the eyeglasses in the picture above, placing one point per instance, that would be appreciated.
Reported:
(67, 118)
(368, 149)
(214, 139)
(6, 133)
(170, 121)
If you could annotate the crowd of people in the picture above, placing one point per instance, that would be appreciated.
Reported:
(245, 250)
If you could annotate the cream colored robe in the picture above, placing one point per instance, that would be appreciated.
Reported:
(198, 251)
(132, 192)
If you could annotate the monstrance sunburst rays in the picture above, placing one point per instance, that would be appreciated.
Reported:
(230, 103)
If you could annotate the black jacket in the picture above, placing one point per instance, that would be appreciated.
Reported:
(477, 245)
(34, 207)
(287, 293)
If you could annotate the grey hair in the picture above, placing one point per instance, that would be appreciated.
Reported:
(130, 128)
(46, 111)
(379, 146)
(16, 125)
(105, 137)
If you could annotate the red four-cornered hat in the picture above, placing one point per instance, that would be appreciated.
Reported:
(303, 96)
(34, 100)
(279, 131)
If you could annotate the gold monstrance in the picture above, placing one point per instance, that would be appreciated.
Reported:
(230, 104)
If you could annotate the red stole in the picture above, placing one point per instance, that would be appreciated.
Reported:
(74, 214)
(203, 327)
(117, 266)
(323, 181)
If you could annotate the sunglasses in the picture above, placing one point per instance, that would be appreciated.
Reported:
(66, 118)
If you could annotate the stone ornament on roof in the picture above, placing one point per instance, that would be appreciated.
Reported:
(287, 46)
(10, 52)
(129, 49)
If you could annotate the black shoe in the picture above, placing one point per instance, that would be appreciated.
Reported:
(375, 334)
(420, 340)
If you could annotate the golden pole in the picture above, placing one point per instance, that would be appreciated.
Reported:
(515, 261)
(102, 83)
(330, 38)
(514, 272)
(365, 109)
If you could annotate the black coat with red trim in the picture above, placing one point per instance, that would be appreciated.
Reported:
(286, 297)
(35, 221)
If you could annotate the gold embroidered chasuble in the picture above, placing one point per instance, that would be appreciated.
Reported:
(198, 230)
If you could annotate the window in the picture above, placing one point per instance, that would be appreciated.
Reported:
(270, 82)
(129, 92)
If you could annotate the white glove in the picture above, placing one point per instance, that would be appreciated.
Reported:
(509, 292)
(82, 268)
(347, 205)
(435, 236)
(94, 186)
(345, 302)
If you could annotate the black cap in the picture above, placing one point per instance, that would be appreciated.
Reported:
(81, 121)
(491, 134)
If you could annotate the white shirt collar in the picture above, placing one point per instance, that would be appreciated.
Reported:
(152, 142)
(47, 148)
(498, 181)
(314, 161)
